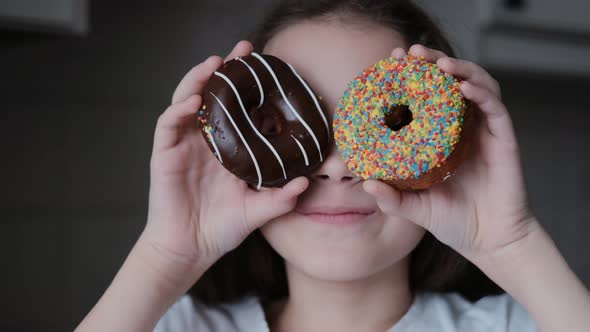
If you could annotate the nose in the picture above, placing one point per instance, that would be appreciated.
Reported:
(334, 170)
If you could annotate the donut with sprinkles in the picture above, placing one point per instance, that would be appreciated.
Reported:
(403, 121)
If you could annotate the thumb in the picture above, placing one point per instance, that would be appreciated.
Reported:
(262, 206)
(393, 202)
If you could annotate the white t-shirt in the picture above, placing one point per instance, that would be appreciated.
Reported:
(430, 312)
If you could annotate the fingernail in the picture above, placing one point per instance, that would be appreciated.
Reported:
(416, 47)
(211, 59)
(444, 62)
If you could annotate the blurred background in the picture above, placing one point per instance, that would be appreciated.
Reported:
(82, 83)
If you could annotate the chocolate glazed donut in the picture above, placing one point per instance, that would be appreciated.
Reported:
(262, 121)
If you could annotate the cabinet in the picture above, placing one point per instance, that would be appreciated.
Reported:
(553, 16)
(545, 36)
(54, 16)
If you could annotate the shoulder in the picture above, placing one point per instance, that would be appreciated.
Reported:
(452, 312)
(191, 315)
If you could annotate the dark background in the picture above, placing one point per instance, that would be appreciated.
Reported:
(78, 115)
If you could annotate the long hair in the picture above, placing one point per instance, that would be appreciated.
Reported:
(254, 267)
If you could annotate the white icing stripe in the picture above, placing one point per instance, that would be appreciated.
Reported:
(302, 150)
(243, 141)
(274, 76)
(235, 90)
(214, 145)
(257, 80)
(317, 104)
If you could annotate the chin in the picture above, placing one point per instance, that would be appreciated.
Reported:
(341, 249)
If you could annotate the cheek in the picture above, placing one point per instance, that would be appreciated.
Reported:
(340, 253)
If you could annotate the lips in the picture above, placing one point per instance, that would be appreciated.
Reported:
(335, 214)
(334, 210)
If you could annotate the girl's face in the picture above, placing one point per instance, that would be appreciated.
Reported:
(336, 231)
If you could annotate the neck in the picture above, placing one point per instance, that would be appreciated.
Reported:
(374, 303)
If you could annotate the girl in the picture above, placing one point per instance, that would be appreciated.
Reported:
(388, 267)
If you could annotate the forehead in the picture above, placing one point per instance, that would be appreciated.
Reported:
(330, 54)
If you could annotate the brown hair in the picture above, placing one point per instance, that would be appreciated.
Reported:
(254, 267)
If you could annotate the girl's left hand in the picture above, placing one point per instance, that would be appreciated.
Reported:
(483, 208)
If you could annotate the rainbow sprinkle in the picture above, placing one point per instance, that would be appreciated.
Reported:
(372, 150)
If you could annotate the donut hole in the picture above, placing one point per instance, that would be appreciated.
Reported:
(397, 117)
(268, 121)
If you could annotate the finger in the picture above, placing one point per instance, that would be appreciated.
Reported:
(471, 72)
(172, 122)
(194, 81)
(262, 206)
(398, 53)
(393, 202)
(242, 48)
(497, 118)
(429, 54)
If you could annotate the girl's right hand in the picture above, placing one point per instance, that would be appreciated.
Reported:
(198, 211)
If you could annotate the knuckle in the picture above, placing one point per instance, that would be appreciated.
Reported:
(215, 60)
(162, 117)
(502, 107)
(193, 100)
(470, 66)
(160, 121)
(168, 110)
(198, 68)
(496, 86)
(498, 106)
